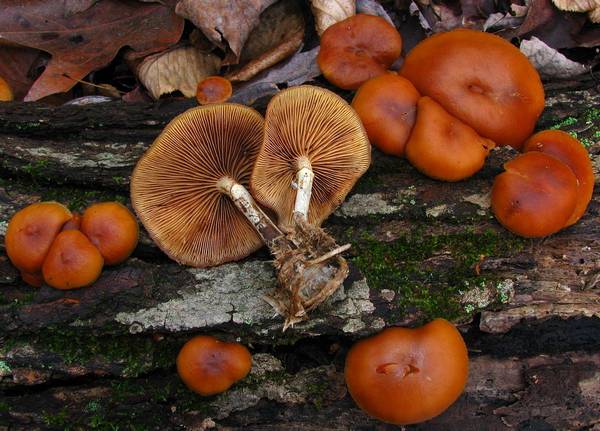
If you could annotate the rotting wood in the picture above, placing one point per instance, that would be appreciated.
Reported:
(99, 354)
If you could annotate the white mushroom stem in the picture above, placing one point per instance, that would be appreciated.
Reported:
(303, 185)
(246, 204)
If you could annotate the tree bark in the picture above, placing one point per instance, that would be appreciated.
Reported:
(103, 356)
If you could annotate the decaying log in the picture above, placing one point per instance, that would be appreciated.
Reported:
(89, 358)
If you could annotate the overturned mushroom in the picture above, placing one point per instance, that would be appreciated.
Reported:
(315, 143)
(186, 187)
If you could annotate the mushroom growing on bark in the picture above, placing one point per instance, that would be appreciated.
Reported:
(315, 143)
(186, 187)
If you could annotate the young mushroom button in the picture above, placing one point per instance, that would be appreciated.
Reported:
(185, 188)
(309, 132)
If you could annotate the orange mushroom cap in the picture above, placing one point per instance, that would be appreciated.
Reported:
(74, 223)
(112, 228)
(481, 79)
(357, 49)
(214, 89)
(6, 94)
(72, 261)
(209, 366)
(31, 232)
(572, 153)
(535, 196)
(387, 107)
(443, 147)
(405, 376)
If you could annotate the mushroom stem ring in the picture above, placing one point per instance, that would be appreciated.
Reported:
(246, 204)
(303, 183)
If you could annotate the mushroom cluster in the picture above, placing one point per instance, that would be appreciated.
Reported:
(189, 188)
(48, 243)
(458, 95)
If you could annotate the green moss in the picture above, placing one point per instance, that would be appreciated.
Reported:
(565, 122)
(401, 265)
(37, 169)
(4, 407)
(58, 420)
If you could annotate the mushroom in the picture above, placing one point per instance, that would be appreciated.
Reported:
(314, 142)
(404, 376)
(112, 228)
(74, 223)
(6, 94)
(443, 147)
(72, 261)
(209, 366)
(572, 153)
(482, 80)
(535, 196)
(214, 89)
(358, 48)
(387, 107)
(30, 233)
(186, 187)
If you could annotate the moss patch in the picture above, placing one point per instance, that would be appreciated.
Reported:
(402, 266)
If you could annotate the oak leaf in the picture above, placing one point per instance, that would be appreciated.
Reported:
(177, 69)
(328, 12)
(82, 42)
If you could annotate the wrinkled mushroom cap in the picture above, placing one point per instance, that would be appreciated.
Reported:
(315, 123)
(174, 185)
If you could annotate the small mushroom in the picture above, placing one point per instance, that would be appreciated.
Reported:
(6, 94)
(535, 196)
(404, 376)
(72, 261)
(481, 79)
(188, 188)
(358, 48)
(74, 223)
(387, 107)
(314, 142)
(112, 228)
(30, 233)
(572, 153)
(214, 89)
(443, 147)
(209, 366)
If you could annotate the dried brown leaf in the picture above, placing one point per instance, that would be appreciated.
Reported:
(549, 62)
(328, 12)
(177, 69)
(372, 7)
(85, 41)
(278, 35)
(224, 22)
(16, 68)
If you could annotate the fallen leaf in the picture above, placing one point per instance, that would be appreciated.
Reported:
(177, 69)
(297, 70)
(372, 7)
(328, 12)
(85, 41)
(509, 20)
(277, 36)
(16, 66)
(224, 22)
(549, 62)
(590, 6)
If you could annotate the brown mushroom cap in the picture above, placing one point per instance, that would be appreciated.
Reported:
(72, 261)
(443, 147)
(405, 376)
(387, 107)
(174, 185)
(481, 79)
(209, 366)
(6, 94)
(112, 228)
(31, 232)
(571, 152)
(535, 196)
(357, 49)
(316, 124)
(214, 89)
